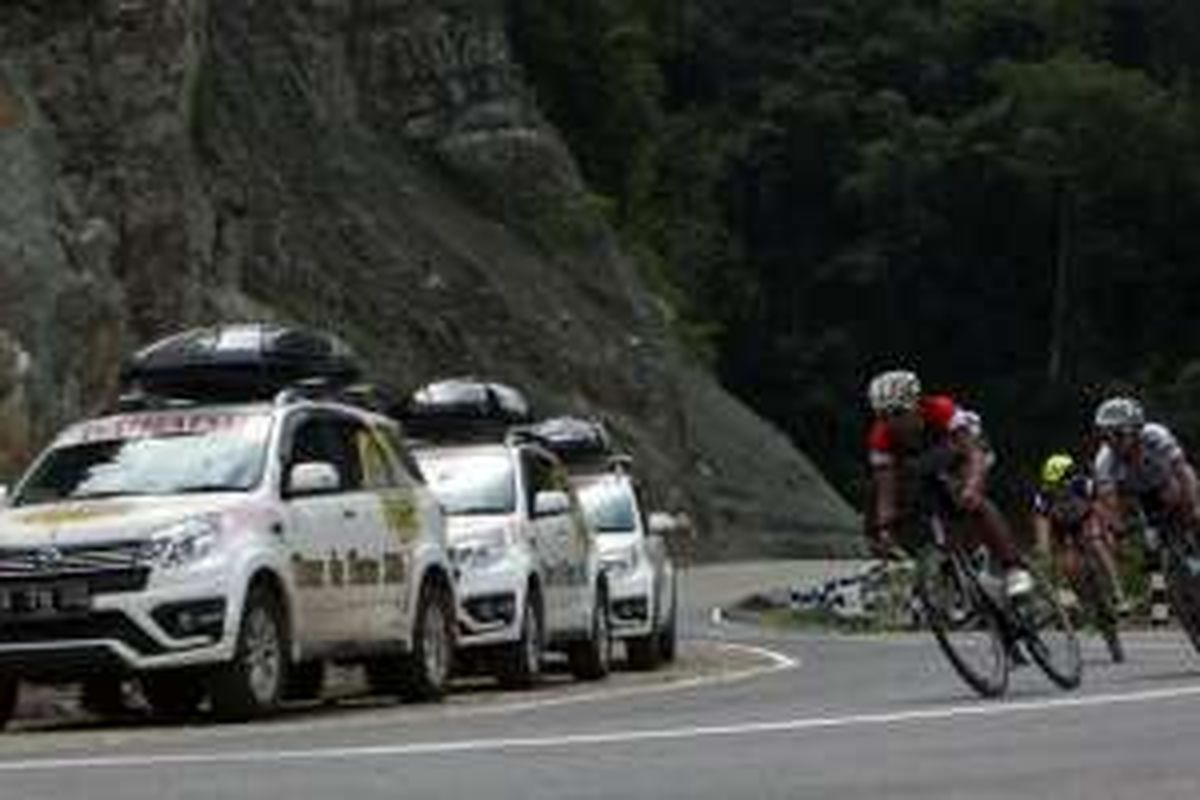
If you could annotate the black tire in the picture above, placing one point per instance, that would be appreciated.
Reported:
(428, 667)
(1049, 635)
(668, 636)
(103, 696)
(252, 684)
(1183, 587)
(591, 659)
(8, 699)
(173, 695)
(520, 663)
(306, 681)
(644, 653)
(424, 673)
(964, 623)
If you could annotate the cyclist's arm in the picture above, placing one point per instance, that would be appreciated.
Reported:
(1186, 475)
(1041, 533)
(1107, 507)
(884, 477)
(975, 467)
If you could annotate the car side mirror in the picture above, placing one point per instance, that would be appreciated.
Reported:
(551, 504)
(313, 477)
(666, 524)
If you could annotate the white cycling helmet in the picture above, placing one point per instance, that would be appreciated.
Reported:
(1120, 414)
(896, 390)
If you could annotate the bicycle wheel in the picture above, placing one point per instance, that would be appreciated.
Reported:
(963, 622)
(1098, 595)
(1049, 636)
(1183, 585)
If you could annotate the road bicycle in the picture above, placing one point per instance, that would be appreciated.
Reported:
(1180, 553)
(981, 630)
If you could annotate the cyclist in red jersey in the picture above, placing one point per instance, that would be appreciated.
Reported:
(908, 426)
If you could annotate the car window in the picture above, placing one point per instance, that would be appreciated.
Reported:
(332, 440)
(379, 470)
(409, 471)
(609, 507)
(472, 482)
(152, 454)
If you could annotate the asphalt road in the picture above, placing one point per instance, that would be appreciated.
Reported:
(824, 717)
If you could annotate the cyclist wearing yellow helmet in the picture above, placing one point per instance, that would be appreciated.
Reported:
(1065, 524)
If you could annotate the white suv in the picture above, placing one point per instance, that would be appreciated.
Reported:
(641, 575)
(226, 551)
(528, 572)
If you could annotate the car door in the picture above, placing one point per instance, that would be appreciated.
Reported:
(547, 542)
(326, 534)
(393, 522)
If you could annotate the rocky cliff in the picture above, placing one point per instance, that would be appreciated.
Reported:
(377, 167)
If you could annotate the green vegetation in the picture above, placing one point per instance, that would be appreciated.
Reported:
(997, 192)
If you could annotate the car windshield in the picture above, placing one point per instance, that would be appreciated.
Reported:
(609, 508)
(152, 454)
(474, 483)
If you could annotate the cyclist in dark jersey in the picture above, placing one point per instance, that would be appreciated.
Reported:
(909, 426)
(1065, 522)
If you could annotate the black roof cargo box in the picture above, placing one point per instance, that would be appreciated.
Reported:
(243, 362)
(575, 440)
(464, 408)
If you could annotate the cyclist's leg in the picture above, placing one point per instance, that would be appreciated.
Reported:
(992, 529)
(1100, 541)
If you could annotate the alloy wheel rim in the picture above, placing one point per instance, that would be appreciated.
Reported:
(533, 642)
(435, 644)
(263, 655)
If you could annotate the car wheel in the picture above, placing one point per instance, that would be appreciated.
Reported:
(8, 699)
(431, 661)
(591, 659)
(423, 674)
(173, 695)
(251, 685)
(668, 637)
(521, 662)
(644, 652)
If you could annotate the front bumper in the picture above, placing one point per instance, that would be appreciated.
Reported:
(159, 626)
(631, 604)
(489, 607)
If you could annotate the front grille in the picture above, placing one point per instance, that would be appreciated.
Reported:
(114, 567)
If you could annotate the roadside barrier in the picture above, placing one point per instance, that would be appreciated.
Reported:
(1160, 611)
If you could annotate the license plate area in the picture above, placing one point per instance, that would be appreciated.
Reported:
(46, 600)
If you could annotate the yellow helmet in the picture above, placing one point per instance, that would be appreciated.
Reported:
(1056, 468)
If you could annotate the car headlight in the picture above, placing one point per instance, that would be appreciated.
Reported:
(622, 561)
(183, 543)
(481, 551)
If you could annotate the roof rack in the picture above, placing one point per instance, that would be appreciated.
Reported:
(362, 395)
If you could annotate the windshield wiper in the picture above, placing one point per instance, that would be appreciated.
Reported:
(107, 494)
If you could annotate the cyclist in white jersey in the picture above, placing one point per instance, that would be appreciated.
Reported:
(1143, 461)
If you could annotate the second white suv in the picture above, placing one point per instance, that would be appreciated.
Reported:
(528, 572)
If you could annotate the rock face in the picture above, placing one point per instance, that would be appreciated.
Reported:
(376, 167)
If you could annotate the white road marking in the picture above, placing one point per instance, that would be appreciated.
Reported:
(564, 741)
(376, 718)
